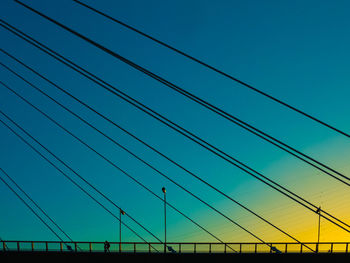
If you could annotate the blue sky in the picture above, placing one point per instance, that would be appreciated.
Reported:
(294, 50)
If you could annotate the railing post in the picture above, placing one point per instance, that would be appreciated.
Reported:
(4, 245)
(225, 248)
(210, 248)
(32, 246)
(195, 248)
(286, 248)
(134, 247)
(331, 247)
(90, 247)
(180, 248)
(240, 248)
(255, 248)
(301, 248)
(75, 246)
(47, 247)
(347, 245)
(18, 247)
(61, 246)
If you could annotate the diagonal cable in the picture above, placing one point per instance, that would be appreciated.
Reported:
(35, 203)
(106, 136)
(278, 143)
(122, 129)
(147, 110)
(68, 177)
(118, 168)
(212, 68)
(31, 209)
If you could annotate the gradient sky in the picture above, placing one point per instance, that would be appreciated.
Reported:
(297, 51)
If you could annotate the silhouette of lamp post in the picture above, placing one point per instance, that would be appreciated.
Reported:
(121, 212)
(164, 191)
(318, 211)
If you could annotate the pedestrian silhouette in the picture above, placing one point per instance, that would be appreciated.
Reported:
(171, 249)
(106, 246)
(274, 249)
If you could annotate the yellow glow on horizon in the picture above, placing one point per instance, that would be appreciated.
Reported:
(296, 220)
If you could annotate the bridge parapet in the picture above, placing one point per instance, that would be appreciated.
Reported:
(174, 247)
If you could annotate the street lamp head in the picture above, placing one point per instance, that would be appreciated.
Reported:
(122, 212)
(164, 190)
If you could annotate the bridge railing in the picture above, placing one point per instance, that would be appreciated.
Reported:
(175, 247)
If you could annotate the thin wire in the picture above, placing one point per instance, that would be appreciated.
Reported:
(162, 174)
(31, 209)
(202, 102)
(212, 68)
(167, 121)
(68, 177)
(169, 204)
(117, 167)
(27, 133)
(35, 203)
(101, 156)
(112, 140)
(110, 121)
(150, 112)
(134, 102)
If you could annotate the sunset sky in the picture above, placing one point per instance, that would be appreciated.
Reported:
(296, 51)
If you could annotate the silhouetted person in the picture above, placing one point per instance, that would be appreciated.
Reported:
(107, 245)
(171, 249)
(274, 249)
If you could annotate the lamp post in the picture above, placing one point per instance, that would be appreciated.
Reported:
(121, 212)
(164, 191)
(318, 211)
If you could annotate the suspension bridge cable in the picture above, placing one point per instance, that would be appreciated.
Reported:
(124, 148)
(31, 209)
(60, 160)
(117, 167)
(35, 203)
(127, 132)
(135, 103)
(112, 140)
(212, 68)
(177, 126)
(68, 177)
(142, 107)
(296, 153)
(169, 204)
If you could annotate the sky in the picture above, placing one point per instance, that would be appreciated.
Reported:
(296, 51)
